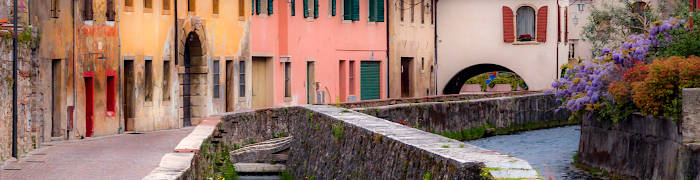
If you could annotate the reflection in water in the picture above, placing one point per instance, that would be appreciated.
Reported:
(550, 151)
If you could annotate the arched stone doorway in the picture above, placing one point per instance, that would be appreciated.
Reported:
(457, 81)
(193, 81)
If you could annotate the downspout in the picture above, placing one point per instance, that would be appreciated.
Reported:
(14, 83)
(388, 41)
(435, 61)
(175, 28)
(556, 66)
(71, 119)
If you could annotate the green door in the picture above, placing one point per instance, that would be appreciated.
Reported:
(369, 80)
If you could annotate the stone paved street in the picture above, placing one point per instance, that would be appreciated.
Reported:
(125, 156)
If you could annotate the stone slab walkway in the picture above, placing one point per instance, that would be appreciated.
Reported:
(124, 156)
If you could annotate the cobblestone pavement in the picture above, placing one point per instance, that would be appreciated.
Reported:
(124, 156)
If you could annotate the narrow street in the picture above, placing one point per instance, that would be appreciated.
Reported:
(124, 156)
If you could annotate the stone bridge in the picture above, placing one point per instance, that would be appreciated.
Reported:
(330, 142)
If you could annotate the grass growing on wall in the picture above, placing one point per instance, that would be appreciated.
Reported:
(490, 130)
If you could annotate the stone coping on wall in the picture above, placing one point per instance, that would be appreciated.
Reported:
(180, 163)
(437, 98)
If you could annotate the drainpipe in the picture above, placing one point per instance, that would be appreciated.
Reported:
(175, 28)
(556, 66)
(71, 119)
(14, 83)
(388, 60)
(435, 61)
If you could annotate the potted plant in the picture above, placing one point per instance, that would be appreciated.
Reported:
(525, 37)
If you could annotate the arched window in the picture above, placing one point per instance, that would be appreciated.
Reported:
(525, 19)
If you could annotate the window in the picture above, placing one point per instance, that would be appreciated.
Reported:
(401, 7)
(148, 79)
(294, 7)
(241, 78)
(129, 3)
(287, 79)
(216, 78)
(87, 10)
(166, 80)
(241, 8)
(111, 93)
(525, 23)
(191, 5)
(270, 6)
(422, 11)
(315, 9)
(422, 63)
(413, 15)
(166, 5)
(147, 4)
(332, 8)
(376, 10)
(257, 6)
(215, 6)
(110, 14)
(432, 12)
(351, 10)
(54, 8)
(307, 11)
(351, 77)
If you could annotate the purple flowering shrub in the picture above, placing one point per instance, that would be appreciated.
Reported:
(584, 87)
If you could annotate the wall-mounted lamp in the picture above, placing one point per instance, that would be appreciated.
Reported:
(581, 5)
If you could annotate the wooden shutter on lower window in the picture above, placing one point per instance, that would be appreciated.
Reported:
(270, 7)
(379, 10)
(306, 8)
(347, 9)
(87, 9)
(294, 7)
(542, 24)
(333, 9)
(257, 7)
(355, 10)
(372, 10)
(508, 28)
(315, 8)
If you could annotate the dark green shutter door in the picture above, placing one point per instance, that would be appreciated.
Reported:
(294, 7)
(369, 80)
(333, 7)
(355, 10)
(379, 11)
(372, 10)
(306, 8)
(347, 9)
(252, 7)
(270, 6)
(315, 8)
(257, 7)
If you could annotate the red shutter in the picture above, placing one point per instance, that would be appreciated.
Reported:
(508, 29)
(566, 24)
(542, 24)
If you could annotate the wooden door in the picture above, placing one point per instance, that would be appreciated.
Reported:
(229, 87)
(262, 90)
(311, 83)
(55, 98)
(406, 77)
(89, 106)
(129, 95)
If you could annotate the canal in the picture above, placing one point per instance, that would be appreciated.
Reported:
(550, 151)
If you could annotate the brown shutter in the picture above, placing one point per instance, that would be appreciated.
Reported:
(542, 24)
(508, 28)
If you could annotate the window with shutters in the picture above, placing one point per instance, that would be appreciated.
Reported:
(148, 6)
(111, 94)
(422, 11)
(270, 6)
(332, 7)
(639, 7)
(166, 80)
(306, 8)
(351, 77)
(263, 7)
(351, 10)
(166, 5)
(257, 6)
(315, 9)
(191, 5)
(525, 23)
(110, 14)
(241, 78)
(293, 7)
(376, 10)
(215, 6)
(216, 78)
(87, 10)
(54, 8)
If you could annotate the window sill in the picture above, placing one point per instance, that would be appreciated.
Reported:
(241, 18)
(525, 43)
(287, 99)
(165, 102)
(110, 113)
(129, 8)
(167, 12)
(147, 10)
(215, 15)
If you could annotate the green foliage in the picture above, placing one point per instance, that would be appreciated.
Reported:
(608, 25)
(508, 78)
(26, 36)
(445, 146)
(286, 176)
(685, 44)
(616, 112)
(338, 131)
(576, 157)
(480, 80)
(427, 176)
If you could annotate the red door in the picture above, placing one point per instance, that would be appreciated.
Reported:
(89, 109)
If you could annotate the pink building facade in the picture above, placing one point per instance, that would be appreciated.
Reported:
(321, 55)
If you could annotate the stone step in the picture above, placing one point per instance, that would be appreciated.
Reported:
(263, 151)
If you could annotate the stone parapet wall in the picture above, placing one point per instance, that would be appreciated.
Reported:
(472, 119)
(644, 147)
(438, 98)
(336, 143)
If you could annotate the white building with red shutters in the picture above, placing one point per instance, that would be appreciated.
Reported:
(527, 37)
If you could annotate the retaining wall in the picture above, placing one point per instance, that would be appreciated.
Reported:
(644, 147)
(473, 119)
(336, 143)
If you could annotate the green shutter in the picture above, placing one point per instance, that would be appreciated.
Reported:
(257, 7)
(372, 10)
(306, 8)
(315, 8)
(369, 80)
(333, 7)
(355, 10)
(252, 7)
(379, 11)
(347, 9)
(270, 6)
(294, 7)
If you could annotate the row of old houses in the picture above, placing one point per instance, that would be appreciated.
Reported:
(114, 66)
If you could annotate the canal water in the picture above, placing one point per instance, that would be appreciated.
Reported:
(550, 151)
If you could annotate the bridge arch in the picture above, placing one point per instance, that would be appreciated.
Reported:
(455, 83)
